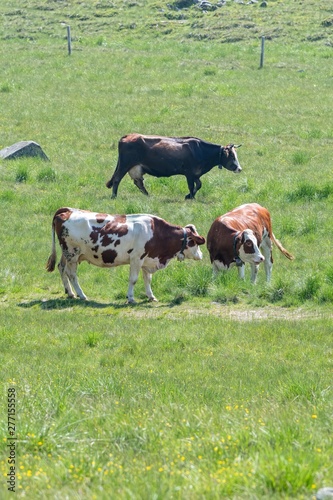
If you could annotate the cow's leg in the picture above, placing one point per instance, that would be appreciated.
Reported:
(135, 266)
(266, 248)
(147, 280)
(115, 183)
(70, 270)
(216, 269)
(109, 184)
(190, 183)
(198, 185)
(139, 184)
(241, 271)
(64, 278)
(254, 272)
(116, 178)
(136, 174)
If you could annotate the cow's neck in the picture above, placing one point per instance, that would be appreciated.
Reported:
(237, 258)
(213, 154)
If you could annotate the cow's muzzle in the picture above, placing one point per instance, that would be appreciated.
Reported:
(259, 260)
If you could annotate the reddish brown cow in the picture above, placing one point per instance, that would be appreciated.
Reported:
(166, 156)
(143, 241)
(238, 236)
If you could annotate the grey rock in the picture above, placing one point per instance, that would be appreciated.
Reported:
(324, 493)
(204, 5)
(23, 148)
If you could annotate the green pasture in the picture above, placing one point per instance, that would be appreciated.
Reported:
(222, 389)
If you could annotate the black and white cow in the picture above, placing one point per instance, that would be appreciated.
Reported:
(143, 241)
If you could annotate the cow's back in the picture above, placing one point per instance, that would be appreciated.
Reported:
(153, 149)
(248, 216)
(102, 239)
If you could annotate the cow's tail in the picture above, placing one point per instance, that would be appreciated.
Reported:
(109, 184)
(51, 262)
(282, 249)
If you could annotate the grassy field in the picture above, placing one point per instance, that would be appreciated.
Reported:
(221, 389)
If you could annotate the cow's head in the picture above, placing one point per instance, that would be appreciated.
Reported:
(228, 158)
(246, 247)
(190, 247)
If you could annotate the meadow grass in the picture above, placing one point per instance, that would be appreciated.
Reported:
(222, 389)
(202, 410)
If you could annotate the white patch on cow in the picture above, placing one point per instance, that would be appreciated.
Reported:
(193, 253)
(219, 266)
(153, 265)
(256, 256)
(136, 172)
(238, 169)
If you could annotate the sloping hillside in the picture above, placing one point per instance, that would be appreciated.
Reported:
(224, 20)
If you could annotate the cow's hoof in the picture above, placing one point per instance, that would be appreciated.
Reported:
(152, 299)
(131, 302)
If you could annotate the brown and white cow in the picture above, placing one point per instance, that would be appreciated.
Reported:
(143, 241)
(166, 156)
(239, 236)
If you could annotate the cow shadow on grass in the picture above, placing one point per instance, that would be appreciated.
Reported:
(62, 303)
(65, 303)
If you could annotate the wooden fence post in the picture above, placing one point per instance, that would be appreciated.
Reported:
(69, 42)
(262, 52)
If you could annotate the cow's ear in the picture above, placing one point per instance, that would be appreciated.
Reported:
(239, 239)
(192, 228)
(192, 234)
(199, 240)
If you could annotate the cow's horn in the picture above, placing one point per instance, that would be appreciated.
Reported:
(237, 146)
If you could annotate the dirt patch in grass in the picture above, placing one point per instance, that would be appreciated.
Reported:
(226, 312)
(143, 309)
